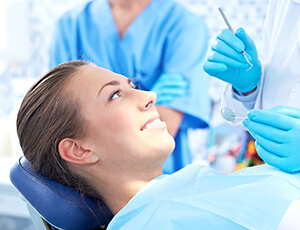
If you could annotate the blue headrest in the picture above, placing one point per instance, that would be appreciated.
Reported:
(60, 205)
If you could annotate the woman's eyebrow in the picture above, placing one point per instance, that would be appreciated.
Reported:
(107, 84)
(114, 82)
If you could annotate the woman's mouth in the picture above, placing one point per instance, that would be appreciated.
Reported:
(153, 124)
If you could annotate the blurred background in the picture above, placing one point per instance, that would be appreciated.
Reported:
(26, 30)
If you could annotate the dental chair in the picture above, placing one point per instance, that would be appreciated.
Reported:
(55, 206)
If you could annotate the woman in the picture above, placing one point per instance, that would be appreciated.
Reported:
(158, 44)
(90, 129)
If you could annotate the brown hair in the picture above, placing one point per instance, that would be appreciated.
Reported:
(47, 115)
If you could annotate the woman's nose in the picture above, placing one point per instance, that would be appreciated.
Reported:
(149, 100)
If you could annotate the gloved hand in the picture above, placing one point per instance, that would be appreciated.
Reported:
(226, 62)
(277, 134)
(168, 86)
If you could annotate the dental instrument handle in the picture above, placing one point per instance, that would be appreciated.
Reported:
(239, 118)
(226, 20)
(230, 28)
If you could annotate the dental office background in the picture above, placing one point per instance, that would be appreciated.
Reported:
(26, 27)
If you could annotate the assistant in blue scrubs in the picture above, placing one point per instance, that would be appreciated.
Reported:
(164, 38)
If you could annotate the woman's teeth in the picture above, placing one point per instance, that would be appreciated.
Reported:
(154, 124)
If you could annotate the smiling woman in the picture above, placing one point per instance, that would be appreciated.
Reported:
(96, 118)
(100, 135)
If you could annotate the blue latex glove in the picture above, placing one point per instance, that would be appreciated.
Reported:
(277, 134)
(226, 62)
(168, 86)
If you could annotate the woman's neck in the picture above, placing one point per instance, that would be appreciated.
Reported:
(117, 189)
(116, 196)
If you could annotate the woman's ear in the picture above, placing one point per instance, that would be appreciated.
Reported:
(71, 150)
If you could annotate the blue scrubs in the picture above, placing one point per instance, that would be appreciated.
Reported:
(197, 197)
(164, 38)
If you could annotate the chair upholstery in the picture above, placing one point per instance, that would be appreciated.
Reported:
(59, 205)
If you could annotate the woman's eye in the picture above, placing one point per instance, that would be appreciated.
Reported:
(137, 86)
(115, 95)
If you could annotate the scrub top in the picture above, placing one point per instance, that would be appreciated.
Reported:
(280, 57)
(197, 197)
(164, 38)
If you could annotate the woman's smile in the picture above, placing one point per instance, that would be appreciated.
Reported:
(154, 123)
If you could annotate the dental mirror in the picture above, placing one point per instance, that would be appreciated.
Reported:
(229, 114)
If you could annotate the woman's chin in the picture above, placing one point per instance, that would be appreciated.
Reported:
(168, 145)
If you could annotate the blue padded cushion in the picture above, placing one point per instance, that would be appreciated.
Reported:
(60, 205)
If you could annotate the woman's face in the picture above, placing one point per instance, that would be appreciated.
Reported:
(123, 125)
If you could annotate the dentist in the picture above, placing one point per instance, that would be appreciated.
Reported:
(271, 87)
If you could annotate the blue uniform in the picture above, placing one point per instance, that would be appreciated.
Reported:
(198, 197)
(164, 38)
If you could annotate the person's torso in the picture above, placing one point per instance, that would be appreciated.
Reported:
(139, 53)
(282, 55)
